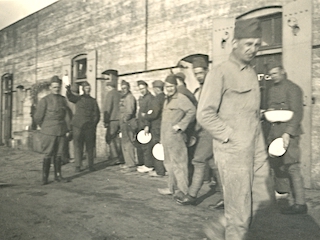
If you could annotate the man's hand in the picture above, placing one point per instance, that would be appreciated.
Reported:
(68, 87)
(68, 134)
(106, 125)
(176, 128)
(146, 130)
(143, 114)
(286, 140)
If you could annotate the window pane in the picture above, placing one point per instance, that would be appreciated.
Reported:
(278, 31)
(266, 32)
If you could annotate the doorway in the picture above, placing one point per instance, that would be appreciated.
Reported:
(6, 109)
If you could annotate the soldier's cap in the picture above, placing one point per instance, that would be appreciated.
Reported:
(141, 82)
(274, 64)
(200, 62)
(85, 83)
(248, 28)
(181, 76)
(110, 71)
(158, 83)
(56, 79)
(171, 79)
(124, 82)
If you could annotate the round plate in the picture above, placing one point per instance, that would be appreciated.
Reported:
(278, 115)
(276, 148)
(157, 151)
(143, 138)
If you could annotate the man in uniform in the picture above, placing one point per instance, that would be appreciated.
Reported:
(203, 153)
(50, 116)
(111, 116)
(128, 125)
(229, 109)
(84, 123)
(285, 94)
(178, 113)
(144, 151)
(154, 115)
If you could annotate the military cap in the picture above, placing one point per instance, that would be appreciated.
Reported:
(85, 83)
(248, 28)
(181, 76)
(158, 83)
(171, 79)
(141, 82)
(56, 79)
(199, 62)
(124, 82)
(110, 71)
(274, 64)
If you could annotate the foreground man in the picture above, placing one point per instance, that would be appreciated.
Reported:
(84, 124)
(178, 113)
(229, 110)
(50, 116)
(285, 94)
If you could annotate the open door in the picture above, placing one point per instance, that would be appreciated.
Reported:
(6, 109)
(223, 29)
(297, 55)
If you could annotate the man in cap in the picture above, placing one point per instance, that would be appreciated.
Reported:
(111, 116)
(50, 115)
(84, 123)
(203, 153)
(178, 113)
(154, 115)
(182, 88)
(144, 151)
(128, 126)
(229, 109)
(286, 95)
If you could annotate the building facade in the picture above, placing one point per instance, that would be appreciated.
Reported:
(146, 39)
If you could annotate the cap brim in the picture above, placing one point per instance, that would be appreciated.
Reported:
(190, 58)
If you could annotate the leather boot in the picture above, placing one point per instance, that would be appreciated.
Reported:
(45, 170)
(57, 166)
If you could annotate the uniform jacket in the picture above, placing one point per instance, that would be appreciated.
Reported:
(229, 106)
(128, 108)
(177, 110)
(87, 113)
(112, 111)
(51, 114)
(154, 113)
(144, 105)
(286, 95)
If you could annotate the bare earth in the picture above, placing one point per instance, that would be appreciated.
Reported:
(109, 205)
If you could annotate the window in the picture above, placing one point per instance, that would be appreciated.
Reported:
(271, 31)
(79, 68)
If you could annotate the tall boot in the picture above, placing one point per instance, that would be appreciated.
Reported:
(45, 170)
(57, 166)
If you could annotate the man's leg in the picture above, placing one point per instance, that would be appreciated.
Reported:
(90, 141)
(78, 147)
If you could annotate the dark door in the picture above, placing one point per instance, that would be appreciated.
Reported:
(6, 109)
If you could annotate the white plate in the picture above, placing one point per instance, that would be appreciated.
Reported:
(278, 115)
(157, 151)
(144, 138)
(276, 148)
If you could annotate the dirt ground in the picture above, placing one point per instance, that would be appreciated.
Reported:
(109, 205)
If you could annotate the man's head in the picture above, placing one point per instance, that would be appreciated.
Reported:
(125, 87)
(55, 85)
(111, 77)
(171, 85)
(200, 69)
(157, 86)
(180, 78)
(277, 72)
(143, 87)
(247, 39)
(86, 88)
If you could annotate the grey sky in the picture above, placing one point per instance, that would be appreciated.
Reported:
(14, 10)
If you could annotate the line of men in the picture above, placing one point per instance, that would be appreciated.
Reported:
(228, 115)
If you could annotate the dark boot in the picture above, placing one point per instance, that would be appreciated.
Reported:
(57, 170)
(45, 170)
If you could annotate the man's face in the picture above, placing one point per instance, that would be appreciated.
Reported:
(200, 74)
(143, 89)
(87, 90)
(55, 88)
(277, 74)
(124, 89)
(246, 48)
(170, 88)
